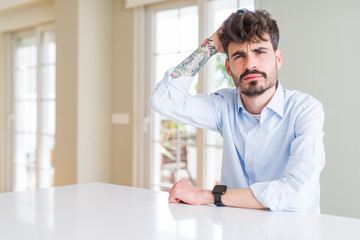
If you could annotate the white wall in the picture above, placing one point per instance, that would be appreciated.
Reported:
(319, 40)
(83, 91)
(94, 90)
(122, 92)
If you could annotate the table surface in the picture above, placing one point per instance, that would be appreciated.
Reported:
(105, 211)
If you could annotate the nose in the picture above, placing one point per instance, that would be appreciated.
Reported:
(250, 63)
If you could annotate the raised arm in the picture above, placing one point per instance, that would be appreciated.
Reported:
(192, 64)
(171, 96)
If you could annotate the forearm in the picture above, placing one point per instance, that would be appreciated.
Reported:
(192, 64)
(184, 191)
(242, 198)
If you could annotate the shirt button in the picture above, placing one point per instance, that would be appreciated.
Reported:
(250, 159)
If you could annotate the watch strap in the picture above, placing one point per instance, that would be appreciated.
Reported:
(217, 191)
(217, 200)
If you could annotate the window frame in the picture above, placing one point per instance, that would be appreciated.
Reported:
(150, 11)
(11, 38)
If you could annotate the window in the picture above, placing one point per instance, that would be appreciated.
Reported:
(173, 144)
(33, 108)
(178, 151)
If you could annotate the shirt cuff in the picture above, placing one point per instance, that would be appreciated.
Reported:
(175, 85)
(262, 192)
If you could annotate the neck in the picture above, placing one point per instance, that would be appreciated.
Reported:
(255, 105)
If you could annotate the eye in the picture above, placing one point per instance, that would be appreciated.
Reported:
(260, 52)
(239, 56)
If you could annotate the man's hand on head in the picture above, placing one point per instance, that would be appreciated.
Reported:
(183, 191)
(215, 37)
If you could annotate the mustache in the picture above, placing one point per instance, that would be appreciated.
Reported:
(247, 72)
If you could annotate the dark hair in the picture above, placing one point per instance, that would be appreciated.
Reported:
(248, 26)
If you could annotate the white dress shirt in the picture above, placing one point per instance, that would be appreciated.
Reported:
(279, 157)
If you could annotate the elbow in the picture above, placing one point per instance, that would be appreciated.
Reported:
(155, 103)
(158, 103)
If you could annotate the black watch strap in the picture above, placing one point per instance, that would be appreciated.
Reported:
(217, 200)
(218, 191)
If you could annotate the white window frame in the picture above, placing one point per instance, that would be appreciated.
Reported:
(11, 38)
(149, 70)
(142, 90)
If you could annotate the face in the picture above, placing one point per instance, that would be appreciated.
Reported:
(253, 66)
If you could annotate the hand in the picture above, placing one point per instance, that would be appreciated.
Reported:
(215, 37)
(183, 191)
(216, 42)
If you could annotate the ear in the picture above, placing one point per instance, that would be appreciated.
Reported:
(278, 57)
(227, 66)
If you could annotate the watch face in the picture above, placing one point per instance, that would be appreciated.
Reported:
(219, 189)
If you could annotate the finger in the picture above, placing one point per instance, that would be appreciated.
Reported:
(172, 199)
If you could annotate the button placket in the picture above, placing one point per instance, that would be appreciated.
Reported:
(248, 145)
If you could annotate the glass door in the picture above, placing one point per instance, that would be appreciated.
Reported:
(25, 113)
(173, 145)
(33, 110)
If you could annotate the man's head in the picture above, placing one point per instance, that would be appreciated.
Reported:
(248, 26)
(250, 40)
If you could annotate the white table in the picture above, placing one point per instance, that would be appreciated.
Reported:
(103, 211)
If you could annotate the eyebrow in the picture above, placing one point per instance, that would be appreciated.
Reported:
(242, 52)
(238, 53)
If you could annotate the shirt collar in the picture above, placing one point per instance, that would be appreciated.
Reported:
(276, 103)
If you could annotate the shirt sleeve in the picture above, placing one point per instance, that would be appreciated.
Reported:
(298, 189)
(171, 99)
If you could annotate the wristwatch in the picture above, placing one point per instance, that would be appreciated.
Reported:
(218, 191)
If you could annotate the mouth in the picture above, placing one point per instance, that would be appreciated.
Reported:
(249, 76)
(252, 77)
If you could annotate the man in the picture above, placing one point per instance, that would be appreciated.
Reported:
(273, 138)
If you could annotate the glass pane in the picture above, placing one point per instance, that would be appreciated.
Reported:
(48, 117)
(25, 83)
(176, 133)
(26, 148)
(172, 162)
(25, 116)
(189, 32)
(176, 30)
(25, 52)
(46, 161)
(47, 151)
(25, 162)
(166, 31)
(48, 47)
(48, 109)
(48, 82)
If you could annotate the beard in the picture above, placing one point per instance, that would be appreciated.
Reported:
(255, 88)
